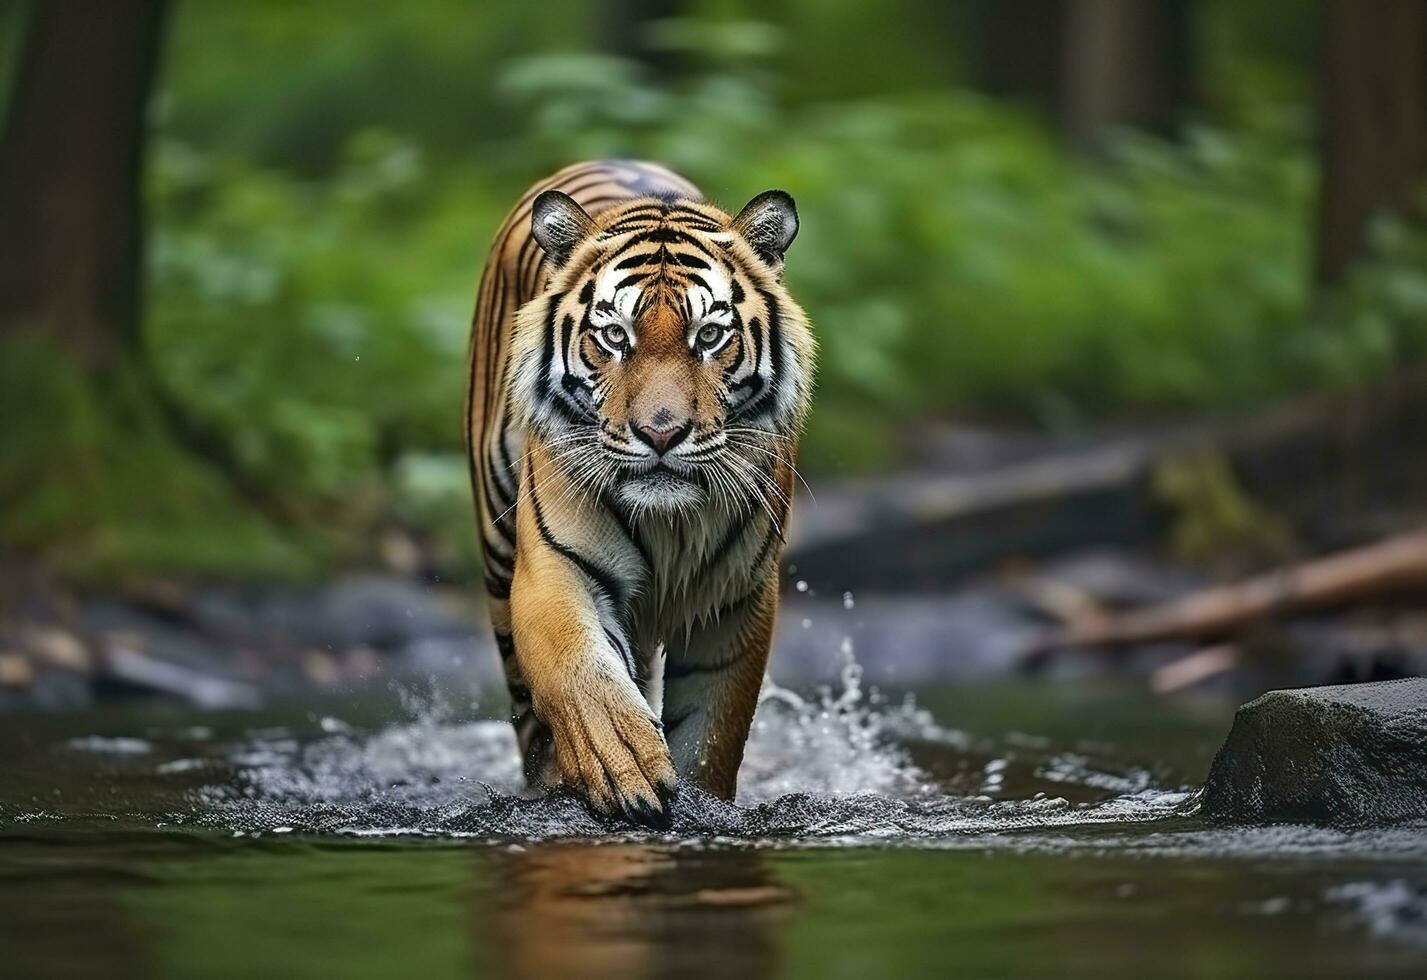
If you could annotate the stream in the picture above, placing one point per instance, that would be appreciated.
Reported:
(994, 830)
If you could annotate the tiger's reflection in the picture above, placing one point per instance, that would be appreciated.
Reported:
(639, 910)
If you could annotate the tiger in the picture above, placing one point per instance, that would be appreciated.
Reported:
(638, 379)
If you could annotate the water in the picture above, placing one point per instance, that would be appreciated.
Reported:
(1051, 831)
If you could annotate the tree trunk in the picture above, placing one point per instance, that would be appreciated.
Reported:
(1127, 64)
(624, 28)
(1021, 45)
(70, 165)
(1091, 65)
(1372, 92)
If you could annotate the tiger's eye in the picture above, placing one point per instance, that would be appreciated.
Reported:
(709, 334)
(615, 335)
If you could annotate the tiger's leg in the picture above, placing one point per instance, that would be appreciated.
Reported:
(711, 687)
(606, 740)
(531, 734)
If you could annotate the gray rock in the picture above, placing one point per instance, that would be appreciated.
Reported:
(974, 634)
(383, 612)
(1351, 755)
(201, 688)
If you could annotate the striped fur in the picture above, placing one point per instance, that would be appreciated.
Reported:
(638, 378)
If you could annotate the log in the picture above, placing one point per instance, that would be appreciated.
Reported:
(1328, 465)
(1336, 579)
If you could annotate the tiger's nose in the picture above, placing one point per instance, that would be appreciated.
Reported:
(662, 432)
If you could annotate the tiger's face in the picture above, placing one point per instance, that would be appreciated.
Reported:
(665, 363)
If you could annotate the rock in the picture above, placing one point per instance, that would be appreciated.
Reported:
(59, 648)
(59, 690)
(1350, 755)
(321, 668)
(383, 612)
(1116, 577)
(150, 674)
(16, 670)
(978, 633)
(362, 663)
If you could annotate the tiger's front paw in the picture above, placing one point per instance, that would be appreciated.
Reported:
(609, 748)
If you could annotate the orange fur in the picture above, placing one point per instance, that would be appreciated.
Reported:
(656, 317)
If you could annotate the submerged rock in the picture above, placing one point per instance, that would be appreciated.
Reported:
(1351, 755)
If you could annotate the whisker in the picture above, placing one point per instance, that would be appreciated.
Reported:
(782, 459)
(754, 492)
(553, 463)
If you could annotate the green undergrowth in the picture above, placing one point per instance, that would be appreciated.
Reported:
(93, 482)
(954, 258)
(313, 262)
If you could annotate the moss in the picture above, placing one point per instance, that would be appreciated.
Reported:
(1215, 519)
(844, 438)
(93, 484)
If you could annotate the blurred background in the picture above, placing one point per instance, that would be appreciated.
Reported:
(1119, 302)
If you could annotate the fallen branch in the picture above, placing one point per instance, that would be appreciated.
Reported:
(932, 528)
(1333, 580)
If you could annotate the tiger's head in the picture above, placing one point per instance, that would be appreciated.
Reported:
(665, 363)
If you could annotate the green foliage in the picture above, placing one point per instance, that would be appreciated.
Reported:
(94, 480)
(955, 258)
(319, 227)
(1215, 520)
(320, 328)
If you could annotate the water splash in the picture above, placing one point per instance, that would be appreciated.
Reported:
(834, 767)
(1395, 910)
(110, 745)
(840, 742)
(841, 766)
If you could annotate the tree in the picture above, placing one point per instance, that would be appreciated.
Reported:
(624, 28)
(71, 158)
(1092, 64)
(1372, 96)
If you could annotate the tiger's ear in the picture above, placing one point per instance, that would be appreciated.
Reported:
(769, 223)
(559, 225)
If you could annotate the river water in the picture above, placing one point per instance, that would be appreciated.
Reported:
(985, 831)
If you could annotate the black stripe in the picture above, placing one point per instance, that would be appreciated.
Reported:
(542, 383)
(622, 519)
(755, 327)
(569, 412)
(735, 533)
(604, 580)
(623, 650)
(496, 313)
(664, 234)
(672, 726)
(497, 588)
(635, 214)
(693, 214)
(503, 564)
(753, 566)
(507, 465)
(775, 332)
(593, 204)
(680, 669)
(567, 328)
(578, 189)
(590, 365)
